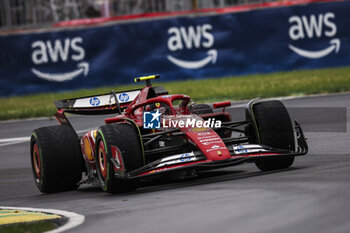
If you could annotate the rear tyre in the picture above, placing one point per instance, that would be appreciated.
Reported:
(56, 159)
(273, 128)
(118, 142)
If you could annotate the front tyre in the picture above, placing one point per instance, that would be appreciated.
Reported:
(56, 159)
(118, 150)
(272, 127)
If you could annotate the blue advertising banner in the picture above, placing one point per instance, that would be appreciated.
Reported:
(275, 39)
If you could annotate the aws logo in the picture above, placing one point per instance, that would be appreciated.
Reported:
(192, 37)
(309, 27)
(59, 51)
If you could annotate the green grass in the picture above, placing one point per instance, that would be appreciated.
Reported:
(205, 90)
(36, 227)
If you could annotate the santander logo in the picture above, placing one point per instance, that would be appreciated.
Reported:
(59, 51)
(309, 27)
(192, 37)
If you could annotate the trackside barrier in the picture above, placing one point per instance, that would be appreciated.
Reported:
(257, 41)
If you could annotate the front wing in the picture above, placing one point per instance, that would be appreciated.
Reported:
(197, 160)
(239, 154)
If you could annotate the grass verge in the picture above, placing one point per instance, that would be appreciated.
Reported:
(36, 227)
(204, 90)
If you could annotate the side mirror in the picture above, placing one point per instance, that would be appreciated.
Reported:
(222, 104)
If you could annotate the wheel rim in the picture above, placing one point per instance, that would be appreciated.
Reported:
(36, 160)
(102, 160)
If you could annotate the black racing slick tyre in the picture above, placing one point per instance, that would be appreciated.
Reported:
(119, 149)
(56, 159)
(275, 129)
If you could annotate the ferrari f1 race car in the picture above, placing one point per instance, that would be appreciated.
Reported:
(153, 134)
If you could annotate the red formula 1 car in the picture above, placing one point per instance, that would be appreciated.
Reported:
(154, 134)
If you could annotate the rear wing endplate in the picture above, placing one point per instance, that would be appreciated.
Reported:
(111, 102)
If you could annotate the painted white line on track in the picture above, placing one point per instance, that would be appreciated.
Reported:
(17, 140)
(11, 141)
(74, 219)
(5, 140)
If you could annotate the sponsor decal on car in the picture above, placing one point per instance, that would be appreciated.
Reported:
(210, 139)
(94, 101)
(204, 133)
(166, 96)
(185, 157)
(245, 149)
(208, 143)
(123, 97)
(216, 147)
(106, 99)
(199, 129)
(175, 159)
(207, 136)
(117, 159)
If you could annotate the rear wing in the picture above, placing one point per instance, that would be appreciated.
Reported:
(107, 103)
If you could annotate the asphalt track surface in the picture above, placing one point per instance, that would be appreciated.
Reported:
(312, 196)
